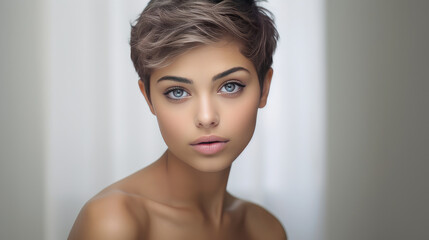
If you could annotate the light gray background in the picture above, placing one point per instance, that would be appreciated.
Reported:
(375, 129)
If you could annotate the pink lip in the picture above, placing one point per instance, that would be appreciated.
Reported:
(209, 145)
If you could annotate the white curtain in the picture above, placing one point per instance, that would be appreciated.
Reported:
(100, 129)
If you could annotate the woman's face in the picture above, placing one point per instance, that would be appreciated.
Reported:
(206, 102)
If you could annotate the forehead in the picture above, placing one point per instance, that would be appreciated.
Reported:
(206, 61)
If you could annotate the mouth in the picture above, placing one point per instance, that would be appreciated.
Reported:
(209, 145)
(209, 140)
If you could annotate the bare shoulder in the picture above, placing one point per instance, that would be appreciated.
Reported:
(108, 216)
(261, 223)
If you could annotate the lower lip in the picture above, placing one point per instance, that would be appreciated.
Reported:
(209, 148)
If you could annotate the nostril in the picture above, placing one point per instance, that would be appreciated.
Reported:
(208, 121)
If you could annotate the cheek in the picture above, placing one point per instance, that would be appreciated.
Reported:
(241, 118)
(172, 124)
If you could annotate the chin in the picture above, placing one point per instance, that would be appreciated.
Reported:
(206, 163)
(211, 165)
(215, 163)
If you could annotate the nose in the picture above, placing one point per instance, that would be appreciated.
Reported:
(207, 115)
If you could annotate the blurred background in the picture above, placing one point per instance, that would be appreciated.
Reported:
(340, 151)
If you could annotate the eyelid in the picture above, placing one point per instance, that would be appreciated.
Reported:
(239, 83)
(236, 82)
(174, 88)
(170, 89)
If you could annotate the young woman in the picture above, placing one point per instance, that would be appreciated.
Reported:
(205, 69)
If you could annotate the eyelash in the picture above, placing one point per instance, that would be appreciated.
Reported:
(236, 84)
(170, 90)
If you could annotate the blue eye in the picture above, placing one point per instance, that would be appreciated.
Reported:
(176, 94)
(231, 87)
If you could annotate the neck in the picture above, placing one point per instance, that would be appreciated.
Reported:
(189, 187)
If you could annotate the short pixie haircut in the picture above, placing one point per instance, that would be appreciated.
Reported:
(168, 28)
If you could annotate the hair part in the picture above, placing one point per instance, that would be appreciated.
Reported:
(168, 28)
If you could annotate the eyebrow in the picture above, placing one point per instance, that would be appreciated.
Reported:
(229, 71)
(176, 79)
(216, 77)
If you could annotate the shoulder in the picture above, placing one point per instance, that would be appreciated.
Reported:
(109, 217)
(261, 223)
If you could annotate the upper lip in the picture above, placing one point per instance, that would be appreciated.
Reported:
(209, 139)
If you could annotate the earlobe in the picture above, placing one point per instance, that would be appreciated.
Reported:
(266, 88)
(143, 91)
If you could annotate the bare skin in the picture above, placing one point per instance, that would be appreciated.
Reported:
(183, 194)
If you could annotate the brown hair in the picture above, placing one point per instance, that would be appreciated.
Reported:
(167, 28)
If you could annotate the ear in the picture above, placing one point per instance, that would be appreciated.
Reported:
(266, 88)
(143, 90)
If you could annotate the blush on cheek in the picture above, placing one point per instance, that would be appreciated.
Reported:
(241, 122)
(171, 126)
